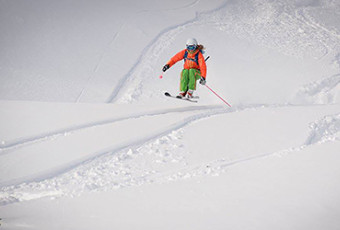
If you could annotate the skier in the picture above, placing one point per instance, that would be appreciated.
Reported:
(194, 67)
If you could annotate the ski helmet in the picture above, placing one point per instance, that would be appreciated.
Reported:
(191, 41)
(191, 44)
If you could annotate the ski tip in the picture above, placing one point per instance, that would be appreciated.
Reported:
(167, 94)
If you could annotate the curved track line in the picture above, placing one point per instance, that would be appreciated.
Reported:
(217, 110)
(204, 168)
(138, 142)
(48, 135)
(189, 5)
(98, 63)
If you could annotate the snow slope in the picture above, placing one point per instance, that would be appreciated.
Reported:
(88, 141)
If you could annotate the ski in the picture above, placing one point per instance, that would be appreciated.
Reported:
(169, 95)
(180, 98)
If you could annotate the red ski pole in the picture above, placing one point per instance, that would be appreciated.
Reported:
(218, 96)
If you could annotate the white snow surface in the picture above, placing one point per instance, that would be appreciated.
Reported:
(88, 141)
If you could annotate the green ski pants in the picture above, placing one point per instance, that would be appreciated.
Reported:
(188, 79)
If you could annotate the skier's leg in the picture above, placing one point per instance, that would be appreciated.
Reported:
(184, 82)
(194, 75)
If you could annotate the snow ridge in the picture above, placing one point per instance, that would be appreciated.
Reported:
(324, 91)
(326, 129)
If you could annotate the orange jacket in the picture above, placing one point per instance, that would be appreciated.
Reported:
(190, 64)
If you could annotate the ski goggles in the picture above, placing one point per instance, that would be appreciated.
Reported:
(191, 47)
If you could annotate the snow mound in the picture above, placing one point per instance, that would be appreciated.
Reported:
(326, 129)
(324, 91)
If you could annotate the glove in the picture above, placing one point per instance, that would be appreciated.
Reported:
(202, 81)
(166, 67)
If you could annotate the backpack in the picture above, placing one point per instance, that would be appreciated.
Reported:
(196, 57)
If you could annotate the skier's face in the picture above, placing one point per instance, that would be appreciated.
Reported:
(191, 48)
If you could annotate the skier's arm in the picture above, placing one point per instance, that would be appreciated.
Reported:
(203, 68)
(179, 56)
(202, 65)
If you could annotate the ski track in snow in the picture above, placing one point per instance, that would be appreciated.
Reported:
(208, 111)
(323, 130)
(54, 134)
(325, 90)
(47, 177)
(189, 5)
(158, 158)
(310, 21)
(211, 110)
(68, 169)
(98, 64)
(301, 15)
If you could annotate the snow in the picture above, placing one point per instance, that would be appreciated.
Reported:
(88, 141)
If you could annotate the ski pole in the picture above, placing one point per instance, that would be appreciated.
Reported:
(218, 96)
(214, 91)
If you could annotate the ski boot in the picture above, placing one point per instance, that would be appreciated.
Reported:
(190, 94)
(181, 94)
